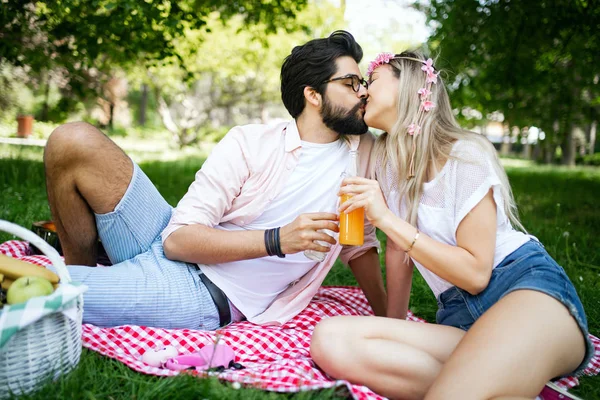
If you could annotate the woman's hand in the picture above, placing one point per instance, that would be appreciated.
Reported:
(367, 194)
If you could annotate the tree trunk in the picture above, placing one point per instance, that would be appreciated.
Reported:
(45, 106)
(167, 118)
(549, 150)
(143, 105)
(568, 147)
(264, 113)
(593, 137)
(505, 146)
(536, 154)
(526, 151)
(228, 115)
(111, 114)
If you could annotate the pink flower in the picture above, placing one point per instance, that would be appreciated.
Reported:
(424, 92)
(428, 105)
(432, 77)
(414, 129)
(382, 58)
(428, 67)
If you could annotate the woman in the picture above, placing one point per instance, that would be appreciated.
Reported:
(509, 319)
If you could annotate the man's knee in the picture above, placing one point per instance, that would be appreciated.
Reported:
(69, 142)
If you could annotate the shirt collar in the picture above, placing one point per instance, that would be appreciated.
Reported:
(292, 138)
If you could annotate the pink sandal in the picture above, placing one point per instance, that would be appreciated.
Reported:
(554, 392)
(218, 356)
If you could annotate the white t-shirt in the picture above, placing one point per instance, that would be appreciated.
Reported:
(251, 285)
(462, 183)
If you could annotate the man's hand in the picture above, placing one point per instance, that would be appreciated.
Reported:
(302, 233)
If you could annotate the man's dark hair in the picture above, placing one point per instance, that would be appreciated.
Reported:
(313, 63)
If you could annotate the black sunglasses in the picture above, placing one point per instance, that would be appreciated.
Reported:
(356, 81)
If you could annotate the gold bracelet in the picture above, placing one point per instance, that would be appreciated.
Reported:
(414, 240)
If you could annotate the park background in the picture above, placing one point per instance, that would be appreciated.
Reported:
(166, 80)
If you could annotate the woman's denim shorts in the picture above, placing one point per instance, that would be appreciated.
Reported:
(529, 267)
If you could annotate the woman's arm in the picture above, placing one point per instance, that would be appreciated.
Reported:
(399, 270)
(467, 265)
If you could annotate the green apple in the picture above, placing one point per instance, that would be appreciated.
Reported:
(27, 287)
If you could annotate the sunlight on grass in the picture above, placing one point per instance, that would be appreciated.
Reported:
(558, 205)
(139, 151)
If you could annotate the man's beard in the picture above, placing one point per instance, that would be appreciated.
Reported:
(341, 121)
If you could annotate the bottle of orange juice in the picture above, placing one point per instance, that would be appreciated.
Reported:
(352, 225)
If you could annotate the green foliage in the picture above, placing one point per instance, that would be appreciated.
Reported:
(591, 159)
(231, 71)
(557, 205)
(105, 31)
(532, 60)
(89, 38)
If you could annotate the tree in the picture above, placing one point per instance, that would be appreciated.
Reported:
(531, 60)
(231, 71)
(90, 38)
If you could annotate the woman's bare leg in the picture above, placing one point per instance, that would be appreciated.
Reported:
(395, 358)
(523, 341)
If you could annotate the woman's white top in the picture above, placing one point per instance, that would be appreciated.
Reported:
(462, 183)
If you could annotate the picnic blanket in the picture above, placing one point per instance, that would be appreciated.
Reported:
(275, 358)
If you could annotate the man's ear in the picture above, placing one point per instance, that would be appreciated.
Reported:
(312, 96)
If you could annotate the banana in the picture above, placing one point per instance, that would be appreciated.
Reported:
(6, 283)
(12, 268)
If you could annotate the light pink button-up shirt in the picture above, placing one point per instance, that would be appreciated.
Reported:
(246, 170)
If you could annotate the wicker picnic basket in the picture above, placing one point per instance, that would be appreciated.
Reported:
(47, 348)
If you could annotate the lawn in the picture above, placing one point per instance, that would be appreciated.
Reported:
(559, 206)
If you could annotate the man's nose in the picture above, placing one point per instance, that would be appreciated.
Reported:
(362, 92)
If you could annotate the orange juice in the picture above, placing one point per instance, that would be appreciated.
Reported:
(352, 226)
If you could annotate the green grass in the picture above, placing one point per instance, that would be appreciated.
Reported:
(559, 206)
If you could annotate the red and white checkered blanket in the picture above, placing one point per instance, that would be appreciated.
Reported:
(275, 358)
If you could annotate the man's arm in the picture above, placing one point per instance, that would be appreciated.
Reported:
(367, 270)
(203, 245)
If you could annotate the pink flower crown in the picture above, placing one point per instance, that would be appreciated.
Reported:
(426, 105)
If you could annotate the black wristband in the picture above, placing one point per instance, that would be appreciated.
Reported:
(272, 243)
(268, 247)
(278, 251)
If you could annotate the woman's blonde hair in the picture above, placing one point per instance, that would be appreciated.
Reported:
(432, 145)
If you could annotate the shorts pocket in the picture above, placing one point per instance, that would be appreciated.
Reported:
(453, 310)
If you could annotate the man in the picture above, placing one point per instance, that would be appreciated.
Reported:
(233, 247)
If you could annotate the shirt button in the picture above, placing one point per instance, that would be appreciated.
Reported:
(242, 222)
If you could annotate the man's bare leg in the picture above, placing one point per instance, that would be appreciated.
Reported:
(86, 173)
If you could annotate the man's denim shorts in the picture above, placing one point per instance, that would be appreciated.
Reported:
(529, 267)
